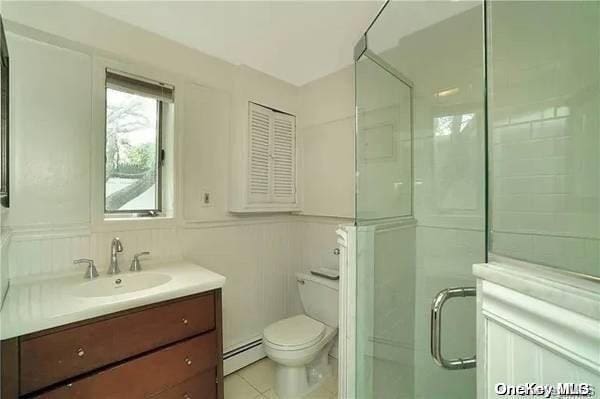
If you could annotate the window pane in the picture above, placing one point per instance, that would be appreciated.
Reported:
(131, 152)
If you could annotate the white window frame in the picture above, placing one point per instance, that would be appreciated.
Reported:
(102, 221)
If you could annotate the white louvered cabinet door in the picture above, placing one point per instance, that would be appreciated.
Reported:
(284, 158)
(260, 126)
(271, 171)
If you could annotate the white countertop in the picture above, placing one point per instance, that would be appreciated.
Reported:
(38, 304)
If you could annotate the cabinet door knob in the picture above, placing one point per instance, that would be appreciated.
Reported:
(186, 396)
(188, 361)
(80, 352)
(185, 321)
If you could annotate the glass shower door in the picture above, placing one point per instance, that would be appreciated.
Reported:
(420, 195)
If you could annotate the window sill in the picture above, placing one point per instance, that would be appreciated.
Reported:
(132, 217)
(110, 223)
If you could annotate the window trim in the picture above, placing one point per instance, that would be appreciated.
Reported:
(160, 161)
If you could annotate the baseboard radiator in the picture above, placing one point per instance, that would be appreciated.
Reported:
(243, 355)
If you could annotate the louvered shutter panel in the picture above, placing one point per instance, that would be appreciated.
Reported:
(259, 160)
(284, 158)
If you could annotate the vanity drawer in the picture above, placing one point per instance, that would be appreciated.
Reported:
(56, 356)
(148, 375)
(201, 386)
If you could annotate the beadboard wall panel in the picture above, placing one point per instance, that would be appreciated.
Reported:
(4, 280)
(260, 257)
(535, 327)
(52, 251)
(256, 260)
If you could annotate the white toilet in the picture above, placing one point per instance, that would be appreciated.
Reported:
(300, 345)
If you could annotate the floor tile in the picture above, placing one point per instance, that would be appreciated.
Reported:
(331, 384)
(237, 388)
(321, 393)
(270, 394)
(261, 375)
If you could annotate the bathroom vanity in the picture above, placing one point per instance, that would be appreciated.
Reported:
(168, 348)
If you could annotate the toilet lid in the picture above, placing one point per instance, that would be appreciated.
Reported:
(297, 331)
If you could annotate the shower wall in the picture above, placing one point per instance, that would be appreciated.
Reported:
(444, 60)
(544, 103)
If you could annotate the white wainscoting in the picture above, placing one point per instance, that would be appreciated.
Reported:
(256, 258)
(5, 237)
(535, 325)
(52, 250)
(259, 256)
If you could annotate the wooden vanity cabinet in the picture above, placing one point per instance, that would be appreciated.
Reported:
(171, 349)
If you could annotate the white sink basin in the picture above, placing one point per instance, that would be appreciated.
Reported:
(120, 284)
(33, 305)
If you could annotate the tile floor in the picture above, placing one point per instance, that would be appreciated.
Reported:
(257, 381)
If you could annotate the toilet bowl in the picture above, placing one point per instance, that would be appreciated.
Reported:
(300, 345)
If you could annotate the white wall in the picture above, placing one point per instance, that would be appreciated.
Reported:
(51, 149)
(326, 132)
(207, 122)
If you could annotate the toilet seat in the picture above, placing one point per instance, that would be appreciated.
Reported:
(294, 333)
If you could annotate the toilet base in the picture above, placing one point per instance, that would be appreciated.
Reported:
(293, 382)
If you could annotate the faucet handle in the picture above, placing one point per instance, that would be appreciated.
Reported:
(91, 271)
(136, 266)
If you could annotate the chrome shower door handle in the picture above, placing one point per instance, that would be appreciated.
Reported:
(436, 328)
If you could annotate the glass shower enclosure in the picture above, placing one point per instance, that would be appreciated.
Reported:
(420, 198)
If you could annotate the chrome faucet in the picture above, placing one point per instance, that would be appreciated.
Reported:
(136, 266)
(91, 272)
(115, 247)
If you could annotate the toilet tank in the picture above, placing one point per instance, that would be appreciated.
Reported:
(319, 298)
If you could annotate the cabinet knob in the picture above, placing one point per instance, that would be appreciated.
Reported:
(185, 321)
(80, 352)
(186, 396)
(188, 361)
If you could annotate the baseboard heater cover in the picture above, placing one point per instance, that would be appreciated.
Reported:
(242, 356)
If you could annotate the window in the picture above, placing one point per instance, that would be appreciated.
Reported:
(134, 153)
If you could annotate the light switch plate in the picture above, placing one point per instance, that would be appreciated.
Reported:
(206, 199)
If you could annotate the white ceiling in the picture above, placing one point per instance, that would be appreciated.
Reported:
(296, 41)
